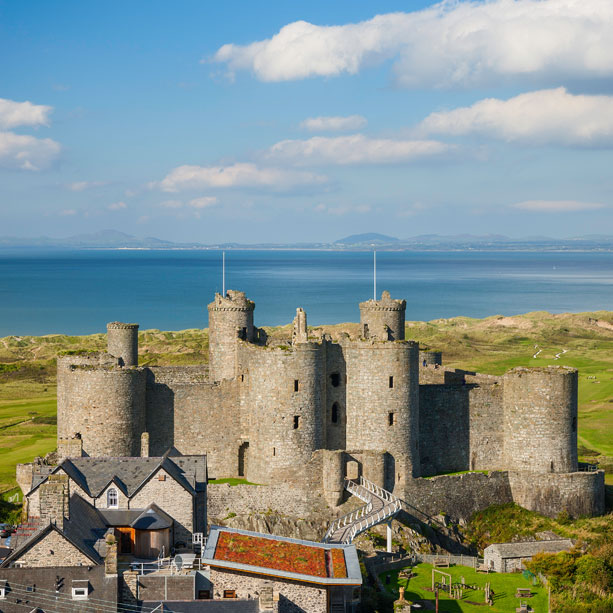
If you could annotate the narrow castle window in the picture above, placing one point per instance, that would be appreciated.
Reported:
(390, 419)
(334, 415)
(365, 333)
(274, 451)
(296, 385)
(296, 422)
(335, 379)
(244, 334)
(112, 499)
(391, 382)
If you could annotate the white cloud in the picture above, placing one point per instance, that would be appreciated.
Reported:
(446, 45)
(235, 175)
(117, 206)
(14, 114)
(355, 149)
(26, 152)
(67, 212)
(333, 124)
(171, 204)
(343, 209)
(202, 202)
(545, 116)
(557, 206)
(79, 186)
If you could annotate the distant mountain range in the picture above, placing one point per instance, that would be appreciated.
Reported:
(112, 239)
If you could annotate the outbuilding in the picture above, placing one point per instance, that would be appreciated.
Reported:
(510, 557)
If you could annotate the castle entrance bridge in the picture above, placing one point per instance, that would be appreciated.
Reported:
(381, 507)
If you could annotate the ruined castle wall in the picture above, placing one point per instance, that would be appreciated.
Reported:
(196, 417)
(383, 403)
(540, 419)
(486, 436)
(285, 395)
(578, 493)
(459, 496)
(104, 403)
(336, 397)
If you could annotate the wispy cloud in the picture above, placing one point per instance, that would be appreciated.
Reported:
(117, 206)
(80, 186)
(355, 149)
(14, 114)
(343, 209)
(236, 175)
(557, 206)
(26, 152)
(333, 124)
(541, 117)
(451, 44)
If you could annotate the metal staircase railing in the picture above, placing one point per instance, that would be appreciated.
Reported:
(380, 506)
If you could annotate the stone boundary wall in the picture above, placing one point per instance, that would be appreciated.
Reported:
(166, 587)
(580, 493)
(223, 498)
(459, 496)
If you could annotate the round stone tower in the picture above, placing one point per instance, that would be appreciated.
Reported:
(230, 319)
(383, 404)
(383, 320)
(540, 419)
(101, 402)
(286, 399)
(122, 342)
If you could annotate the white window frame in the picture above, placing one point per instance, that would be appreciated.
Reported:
(80, 593)
(3, 593)
(112, 491)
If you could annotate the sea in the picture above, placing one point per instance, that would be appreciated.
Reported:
(79, 291)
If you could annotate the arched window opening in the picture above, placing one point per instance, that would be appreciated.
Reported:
(112, 499)
(335, 379)
(390, 419)
(334, 416)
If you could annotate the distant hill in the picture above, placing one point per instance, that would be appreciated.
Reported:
(369, 238)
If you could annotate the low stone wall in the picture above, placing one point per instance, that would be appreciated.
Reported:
(580, 493)
(166, 587)
(459, 496)
(223, 498)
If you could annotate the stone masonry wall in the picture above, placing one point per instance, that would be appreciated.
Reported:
(294, 596)
(575, 493)
(53, 550)
(171, 498)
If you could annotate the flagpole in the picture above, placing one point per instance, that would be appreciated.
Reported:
(374, 253)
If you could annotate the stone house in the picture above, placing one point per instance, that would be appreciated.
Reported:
(510, 557)
(151, 504)
(294, 575)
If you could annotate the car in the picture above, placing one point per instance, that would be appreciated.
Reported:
(6, 530)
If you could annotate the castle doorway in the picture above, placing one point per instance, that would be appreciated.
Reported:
(243, 452)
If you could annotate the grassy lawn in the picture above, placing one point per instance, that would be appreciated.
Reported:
(27, 429)
(232, 481)
(503, 585)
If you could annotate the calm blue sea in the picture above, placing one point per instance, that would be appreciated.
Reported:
(78, 292)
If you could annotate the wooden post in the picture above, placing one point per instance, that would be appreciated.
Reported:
(436, 596)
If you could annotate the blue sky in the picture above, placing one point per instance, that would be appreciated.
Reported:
(286, 121)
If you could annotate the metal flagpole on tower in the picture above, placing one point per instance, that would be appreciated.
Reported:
(223, 273)
(374, 253)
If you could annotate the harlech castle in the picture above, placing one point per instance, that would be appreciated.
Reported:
(302, 416)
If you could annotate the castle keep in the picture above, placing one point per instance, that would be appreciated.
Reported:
(314, 410)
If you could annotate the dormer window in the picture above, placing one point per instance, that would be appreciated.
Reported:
(112, 499)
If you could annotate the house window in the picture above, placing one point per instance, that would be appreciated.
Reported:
(391, 382)
(112, 499)
(79, 593)
(334, 415)
(390, 419)
(296, 385)
(296, 422)
(335, 379)
(2, 593)
(229, 593)
(161, 477)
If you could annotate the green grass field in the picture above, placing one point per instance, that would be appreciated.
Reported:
(503, 585)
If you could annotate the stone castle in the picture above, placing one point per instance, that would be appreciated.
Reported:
(309, 413)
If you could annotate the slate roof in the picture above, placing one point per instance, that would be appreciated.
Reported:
(93, 475)
(85, 530)
(529, 548)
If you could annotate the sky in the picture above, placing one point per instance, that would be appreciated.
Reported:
(306, 121)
